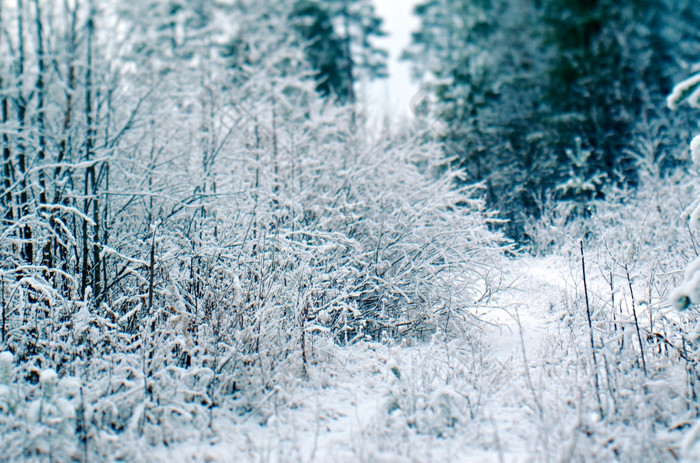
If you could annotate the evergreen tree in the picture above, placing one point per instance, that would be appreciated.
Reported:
(480, 62)
(339, 37)
(324, 49)
(603, 77)
(541, 100)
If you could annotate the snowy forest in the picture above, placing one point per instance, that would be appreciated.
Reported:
(211, 251)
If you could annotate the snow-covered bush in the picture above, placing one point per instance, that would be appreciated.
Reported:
(7, 401)
(210, 228)
(52, 421)
(436, 390)
(687, 294)
(689, 291)
(635, 241)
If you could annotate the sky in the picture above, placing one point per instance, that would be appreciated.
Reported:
(392, 96)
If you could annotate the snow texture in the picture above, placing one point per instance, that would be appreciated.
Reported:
(695, 150)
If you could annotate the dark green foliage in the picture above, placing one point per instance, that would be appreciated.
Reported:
(604, 75)
(359, 25)
(324, 49)
(542, 100)
(486, 60)
(338, 43)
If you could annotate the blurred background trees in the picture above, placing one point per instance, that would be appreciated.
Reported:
(544, 99)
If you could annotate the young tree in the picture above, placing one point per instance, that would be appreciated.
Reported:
(324, 49)
(205, 215)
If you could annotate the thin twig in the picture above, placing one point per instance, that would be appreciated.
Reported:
(527, 366)
(497, 441)
(590, 330)
(636, 322)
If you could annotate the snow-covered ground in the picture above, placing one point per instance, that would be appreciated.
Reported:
(514, 389)
(527, 309)
(513, 380)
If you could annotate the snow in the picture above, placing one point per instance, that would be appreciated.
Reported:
(5, 358)
(236, 271)
(512, 382)
(695, 150)
(448, 400)
(527, 309)
(681, 90)
(48, 377)
(514, 386)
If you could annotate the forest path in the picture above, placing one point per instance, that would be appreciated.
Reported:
(393, 403)
(525, 315)
(523, 331)
(345, 419)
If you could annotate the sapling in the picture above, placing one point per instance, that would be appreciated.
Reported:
(590, 331)
(688, 293)
(636, 322)
(528, 379)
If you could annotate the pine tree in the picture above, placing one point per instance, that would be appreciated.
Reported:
(339, 36)
(518, 85)
(479, 63)
(603, 77)
(324, 49)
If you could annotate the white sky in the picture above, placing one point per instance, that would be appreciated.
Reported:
(392, 96)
